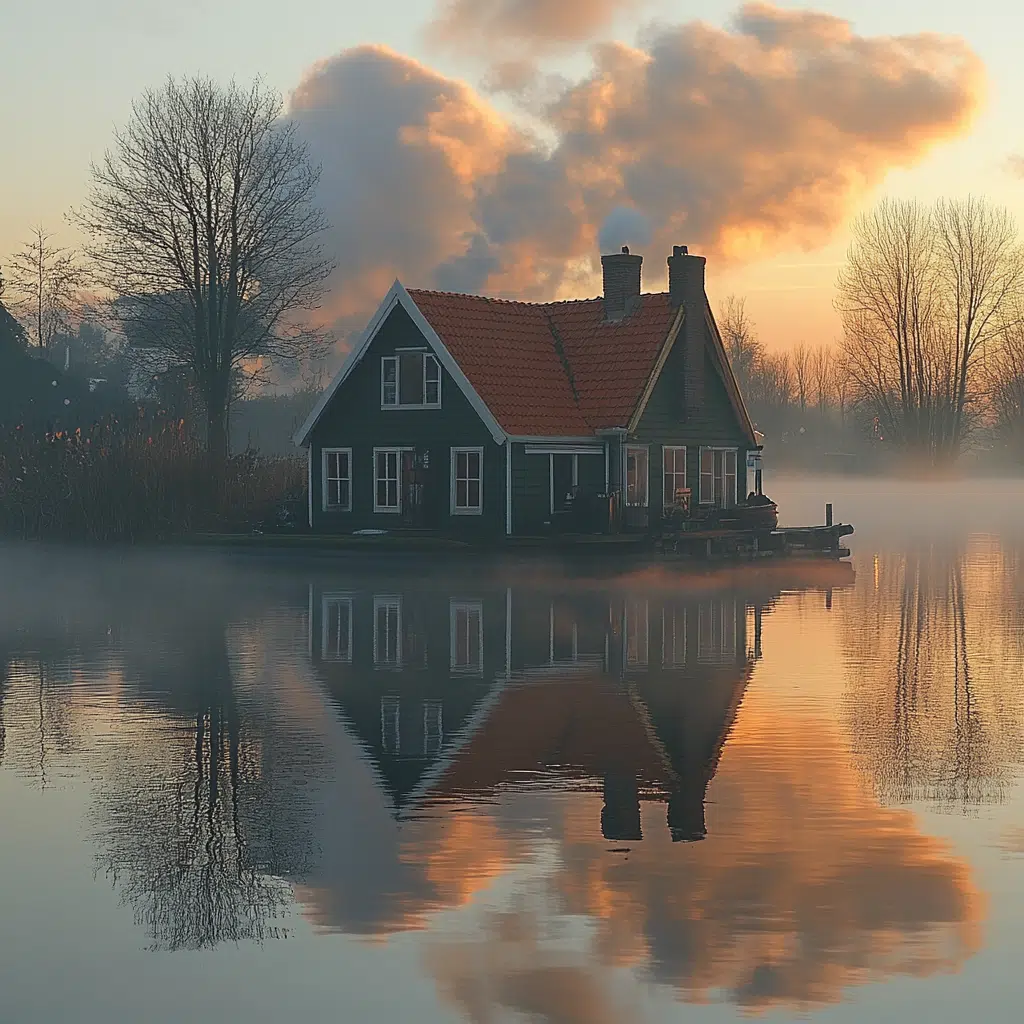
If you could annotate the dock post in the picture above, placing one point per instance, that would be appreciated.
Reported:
(828, 514)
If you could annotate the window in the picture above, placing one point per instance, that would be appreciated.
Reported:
(386, 492)
(467, 481)
(636, 477)
(716, 631)
(390, 732)
(673, 637)
(718, 477)
(467, 637)
(410, 380)
(387, 632)
(336, 638)
(674, 473)
(433, 728)
(637, 634)
(337, 479)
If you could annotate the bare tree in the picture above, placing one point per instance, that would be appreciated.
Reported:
(981, 268)
(1004, 371)
(205, 231)
(45, 280)
(801, 363)
(842, 382)
(822, 374)
(740, 338)
(922, 294)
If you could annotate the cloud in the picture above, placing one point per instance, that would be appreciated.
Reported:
(625, 225)
(534, 25)
(734, 141)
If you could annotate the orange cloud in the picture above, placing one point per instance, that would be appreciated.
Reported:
(733, 140)
(805, 886)
(536, 24)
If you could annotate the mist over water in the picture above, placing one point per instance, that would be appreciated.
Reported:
(266, 788)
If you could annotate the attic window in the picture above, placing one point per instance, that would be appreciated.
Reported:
(410, 380)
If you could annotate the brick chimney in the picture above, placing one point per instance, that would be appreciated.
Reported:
(686, 289)
(621, 283)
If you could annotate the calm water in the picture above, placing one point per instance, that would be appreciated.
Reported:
(431, 790)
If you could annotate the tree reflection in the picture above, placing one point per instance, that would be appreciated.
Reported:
(933, 659)
(198, 818)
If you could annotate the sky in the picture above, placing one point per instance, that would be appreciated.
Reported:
(494, 145)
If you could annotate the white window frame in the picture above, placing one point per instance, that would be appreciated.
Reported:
(468, 510)
(467, 607)
(380, 602)
(551, 476)
(633, 449)
(675, 448)
(397, 452)
(329, 601)
(710, 499)
(325, 505)
(429, 360)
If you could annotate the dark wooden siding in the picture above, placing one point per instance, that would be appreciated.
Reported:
(354, 419)
(665, 423)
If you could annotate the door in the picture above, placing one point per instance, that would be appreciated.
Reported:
(415, 488)
(563, 481)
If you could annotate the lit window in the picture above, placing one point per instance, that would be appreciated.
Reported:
(337, 479)
(386, 493)
(674, 475)
(467, 637)
(410, 380)
(467, 481)
(718, 477)
(636, 477)
(336, 640)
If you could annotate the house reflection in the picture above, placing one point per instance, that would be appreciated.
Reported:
(457, 695)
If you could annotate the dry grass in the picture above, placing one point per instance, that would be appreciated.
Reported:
(142, 480)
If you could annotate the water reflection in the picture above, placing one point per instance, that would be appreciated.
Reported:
(552, 777)
(934, 653)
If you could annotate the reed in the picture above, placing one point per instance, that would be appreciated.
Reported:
(145, 479)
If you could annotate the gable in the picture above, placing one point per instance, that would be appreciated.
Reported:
(398, 297)
(721, 415)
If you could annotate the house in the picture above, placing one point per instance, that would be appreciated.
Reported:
(457, 692)
(467, 414)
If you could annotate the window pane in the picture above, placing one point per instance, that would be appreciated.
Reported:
(432, 380)
(389, 380)
(461, 493)
(473, 498)
(473, 464)
(410, 378)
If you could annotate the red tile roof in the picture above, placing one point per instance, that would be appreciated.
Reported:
(551, 369)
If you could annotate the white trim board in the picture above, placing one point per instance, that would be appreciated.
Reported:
(398, 296)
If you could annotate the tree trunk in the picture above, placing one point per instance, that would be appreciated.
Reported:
(217, 430)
